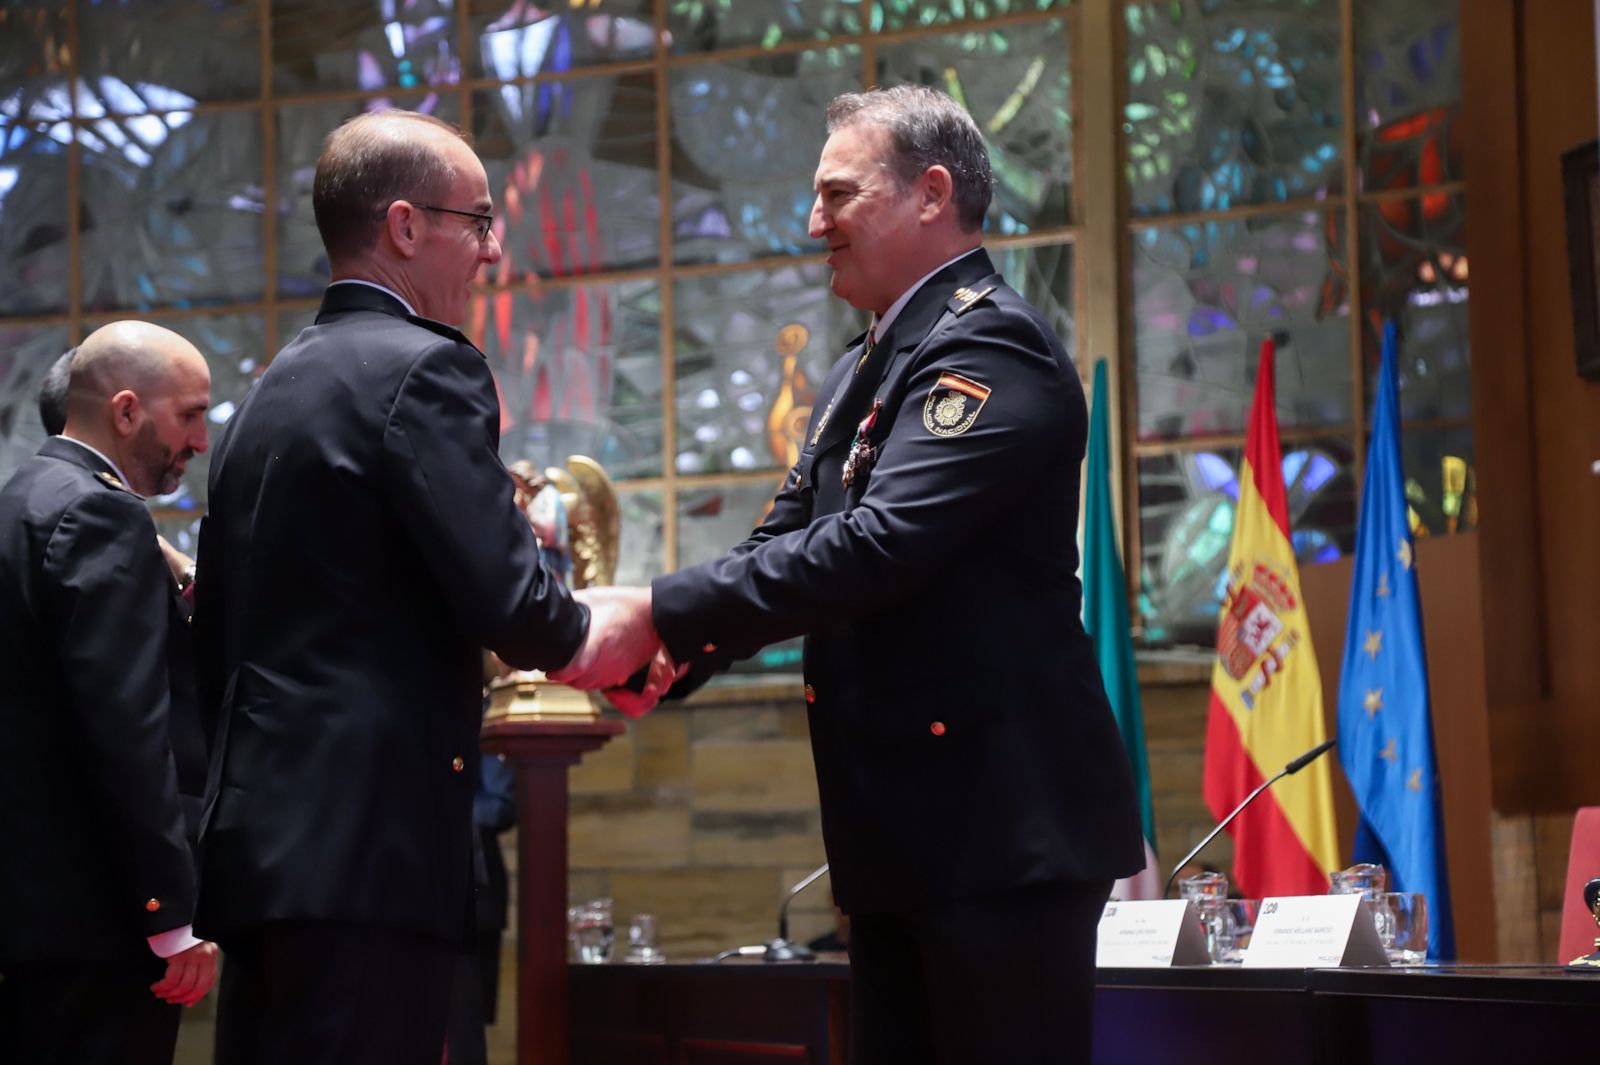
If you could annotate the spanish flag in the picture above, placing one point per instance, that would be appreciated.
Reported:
(1266, 695)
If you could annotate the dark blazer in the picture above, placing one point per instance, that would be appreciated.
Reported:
(100, 749)
(962, 738)
(362, 546)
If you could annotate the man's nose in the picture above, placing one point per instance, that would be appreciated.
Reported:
(201, 440)
(490, 252)
(820, 223)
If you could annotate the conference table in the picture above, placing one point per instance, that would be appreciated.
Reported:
(742, 1012)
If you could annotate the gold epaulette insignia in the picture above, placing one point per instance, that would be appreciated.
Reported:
(111, 479)
(965, 299)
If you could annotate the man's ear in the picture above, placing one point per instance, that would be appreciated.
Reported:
(937, 189)
(402, 226)
(125, 408)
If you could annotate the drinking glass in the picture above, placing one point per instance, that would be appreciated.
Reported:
(591, 931)
(1364, 878)
(1208, 891)
(642, 949)
(1236, 922)
(1406, 938)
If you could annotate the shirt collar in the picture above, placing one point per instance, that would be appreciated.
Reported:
(381, 288)
(881, 326)
(103, 457)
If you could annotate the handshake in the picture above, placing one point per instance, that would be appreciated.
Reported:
(622, 640)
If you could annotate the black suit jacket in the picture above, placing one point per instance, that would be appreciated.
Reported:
(362, 546)
(962, 738)
(101, 756)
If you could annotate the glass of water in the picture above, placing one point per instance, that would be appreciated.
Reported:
(642, 949)
(1208, 892)
(1405, 939)
(1236, 922)
(591, 931)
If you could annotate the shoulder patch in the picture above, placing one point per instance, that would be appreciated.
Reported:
(953, 405)
(111, 479)
(965, 299)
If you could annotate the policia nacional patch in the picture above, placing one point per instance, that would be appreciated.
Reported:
(953, 405)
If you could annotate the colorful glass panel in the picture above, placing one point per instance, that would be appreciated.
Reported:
(26, 352)
(514, 39)
(34, 251)
(1207, 294)
(1043, 275)
(1016, 80)
(752, 349)
(1414, 269)
(140, 56)
(642, 543)
(1186, 510)
(709, 25)
(572, 169)
(171, 210)
(1408, 92)
(578, 368)
(1232, 102)
(905, 14)
(395, 44)
(746, 136)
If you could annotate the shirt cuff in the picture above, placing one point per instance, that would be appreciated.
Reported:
(176, 941)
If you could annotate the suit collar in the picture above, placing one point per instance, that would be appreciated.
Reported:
(341, 298)
(79, 454)
(919, 314)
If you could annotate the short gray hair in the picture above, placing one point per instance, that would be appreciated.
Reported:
(368, 163)
(926, 128)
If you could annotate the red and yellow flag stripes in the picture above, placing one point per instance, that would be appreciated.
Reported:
(1266, 695)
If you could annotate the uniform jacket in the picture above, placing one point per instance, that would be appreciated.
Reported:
(362, 546)
(100, 741)
(962, 738)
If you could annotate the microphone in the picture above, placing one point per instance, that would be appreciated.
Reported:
(781, 949)
(1293, 767)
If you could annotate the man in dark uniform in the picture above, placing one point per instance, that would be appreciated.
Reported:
(102, 763)
(362, 545)
(976, 798)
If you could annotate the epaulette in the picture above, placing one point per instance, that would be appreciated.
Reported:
(965, 299)
(449, 332)
(111, 479)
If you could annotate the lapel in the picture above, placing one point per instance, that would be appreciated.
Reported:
(909, 329)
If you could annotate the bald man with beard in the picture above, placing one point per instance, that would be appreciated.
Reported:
(102, 761)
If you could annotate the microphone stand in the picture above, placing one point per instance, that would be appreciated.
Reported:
(781, 949)
(1293, 767)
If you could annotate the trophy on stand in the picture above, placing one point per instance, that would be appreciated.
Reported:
(1591, 899)
(574, 514)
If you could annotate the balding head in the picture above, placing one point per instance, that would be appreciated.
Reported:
(368, 163)
(139, 394)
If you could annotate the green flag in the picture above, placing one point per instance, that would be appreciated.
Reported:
(1105, 616)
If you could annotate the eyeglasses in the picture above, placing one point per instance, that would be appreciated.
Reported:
(484, 221)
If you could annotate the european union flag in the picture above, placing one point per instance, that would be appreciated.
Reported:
(1385, 731)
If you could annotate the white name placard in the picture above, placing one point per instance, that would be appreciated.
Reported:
(1150, 934)
(1315, 932)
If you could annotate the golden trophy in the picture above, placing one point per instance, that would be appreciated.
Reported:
(574, 514)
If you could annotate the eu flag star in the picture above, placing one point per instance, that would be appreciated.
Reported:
(1404, 554)
(1373, 702)
(1414, 781)
(1388, 754)
(1374, 644)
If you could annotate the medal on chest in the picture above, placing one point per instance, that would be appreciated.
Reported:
(862, 454)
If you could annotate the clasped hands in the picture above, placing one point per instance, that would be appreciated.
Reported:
(622, 639)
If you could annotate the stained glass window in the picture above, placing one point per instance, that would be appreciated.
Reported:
(905, 14)
(515, 39)
(738, 191)
(579, 372)
(138, 56)
(1415, 271)
(172, 210)
(710, 25)
(26, 352)
(1408, 92)
(1016, 80)
(1232, 102)
(752, 349)
(1186, 511)
(392, 44)
(1206, 295)
(34, 252)
(572, 169)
